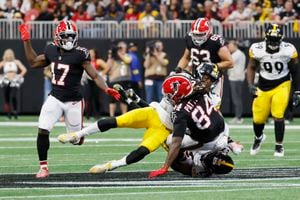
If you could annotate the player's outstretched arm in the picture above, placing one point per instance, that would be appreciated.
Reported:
(172, 155)
(227, 61)
(34, 60)
(100, 82)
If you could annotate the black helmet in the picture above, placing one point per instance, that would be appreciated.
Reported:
(273, 37)
(217, 162)
(209, 69)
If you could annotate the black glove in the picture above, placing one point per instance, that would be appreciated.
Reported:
(296, 98)
(253, 90)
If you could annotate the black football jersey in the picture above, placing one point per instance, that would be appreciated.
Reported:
(200, 117)
(207, 52)
(67, 70)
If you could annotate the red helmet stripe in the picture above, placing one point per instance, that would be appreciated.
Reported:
(198, 24)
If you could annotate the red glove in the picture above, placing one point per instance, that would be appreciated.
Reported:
(158, 172)
(25, 35)
(114, 93)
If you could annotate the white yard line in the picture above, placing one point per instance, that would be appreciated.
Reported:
(61, 124)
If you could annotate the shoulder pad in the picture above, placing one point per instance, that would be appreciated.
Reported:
(84, 50)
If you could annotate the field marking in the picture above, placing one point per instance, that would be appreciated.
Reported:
(61, 124)
(140, 193)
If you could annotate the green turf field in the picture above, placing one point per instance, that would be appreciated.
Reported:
(256, 177)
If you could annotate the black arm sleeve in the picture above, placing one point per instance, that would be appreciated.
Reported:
(180, 124)
(295, 72)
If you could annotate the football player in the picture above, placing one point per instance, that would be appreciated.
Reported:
(277, 62)
(67, 61)
(155, 118)
(204, 46)
(193, 110)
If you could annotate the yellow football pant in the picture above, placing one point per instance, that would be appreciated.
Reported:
(274, 101)
(148, 118)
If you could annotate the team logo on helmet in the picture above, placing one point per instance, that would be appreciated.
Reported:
(273, 37)
(177, 87)
(66, 35)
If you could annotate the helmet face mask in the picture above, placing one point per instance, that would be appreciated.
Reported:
(200, 31)
(66, 35)
(208, 74)
(273, 38)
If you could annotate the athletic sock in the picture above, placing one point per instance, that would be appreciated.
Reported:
(44, 164)
(89, 130)
(258, 129)
(118, 163)
(279, 130)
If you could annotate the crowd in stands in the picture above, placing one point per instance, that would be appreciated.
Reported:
(134, 10)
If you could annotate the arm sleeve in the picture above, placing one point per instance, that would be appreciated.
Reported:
(180, 124)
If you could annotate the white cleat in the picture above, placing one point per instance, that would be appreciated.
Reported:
(257, 144)
(68, 137)
(279, 151)
(101, 169)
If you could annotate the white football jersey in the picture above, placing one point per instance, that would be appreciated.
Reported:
(164, 110)
(273, 66)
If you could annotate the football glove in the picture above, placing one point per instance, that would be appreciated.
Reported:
(253, 90)
(159, 172)
(122, 92)
(296, 98)
(25, 35)
(114, 93)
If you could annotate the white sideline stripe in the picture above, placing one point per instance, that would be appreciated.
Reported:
(30, 139)
(61, 124)
(169, 183)
(139, 193)
(219, 183)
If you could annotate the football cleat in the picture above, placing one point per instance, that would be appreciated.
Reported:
(257, 144)
(279, 151)
(236, 147)
(132, 95)
(101, 169)
(42, 173)
(69, 137)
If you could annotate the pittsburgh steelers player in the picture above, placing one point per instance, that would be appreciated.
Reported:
(277, 62)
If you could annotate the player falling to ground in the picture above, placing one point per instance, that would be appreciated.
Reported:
(194, 110)
(277, 62)
(202, 46)
(67, 61)
(156, 119)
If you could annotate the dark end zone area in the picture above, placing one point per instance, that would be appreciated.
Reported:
(114, 179)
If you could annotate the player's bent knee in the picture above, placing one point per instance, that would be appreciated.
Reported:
(137, 155)
(106, 124)
(43, 132)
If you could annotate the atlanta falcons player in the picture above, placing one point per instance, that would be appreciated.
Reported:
(193, 109)
(67, 61)
(204, 46)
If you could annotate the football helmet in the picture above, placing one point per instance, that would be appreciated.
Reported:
(66, 35)
(217, 162)
(178, 86)
(209, 69)
(273, 38)
(200, 31)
